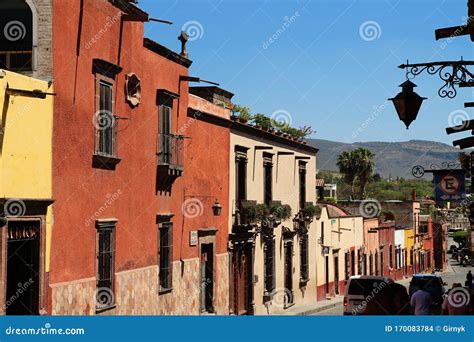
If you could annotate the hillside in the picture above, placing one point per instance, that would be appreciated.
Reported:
(395, 159)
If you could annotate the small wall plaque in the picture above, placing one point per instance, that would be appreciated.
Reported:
(193, 238)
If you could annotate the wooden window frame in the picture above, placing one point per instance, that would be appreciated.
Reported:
(241, 160)
(165, 276)
(302, 183)
(106, 226)
(267, 183)
(102, 79)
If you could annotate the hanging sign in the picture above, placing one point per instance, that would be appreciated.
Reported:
(449, 185)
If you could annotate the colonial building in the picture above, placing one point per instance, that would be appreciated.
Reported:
(26, 128)
(340, 250)
(133, 195)
(273, 229)
(206, 231)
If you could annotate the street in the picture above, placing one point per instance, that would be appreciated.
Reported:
(454, 274)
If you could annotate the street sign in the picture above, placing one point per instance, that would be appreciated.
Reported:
(449, 185)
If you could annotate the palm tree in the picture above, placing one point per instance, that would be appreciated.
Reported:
(365, 165)
(347, 166)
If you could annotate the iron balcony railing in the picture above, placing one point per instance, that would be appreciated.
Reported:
(170, 150)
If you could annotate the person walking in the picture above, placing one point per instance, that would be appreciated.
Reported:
(457, 302)
(421, 301)
(469, 280)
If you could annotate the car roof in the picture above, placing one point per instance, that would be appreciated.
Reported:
(425, 275)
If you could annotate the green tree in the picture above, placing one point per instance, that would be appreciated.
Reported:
(347, 166)
(364, 160)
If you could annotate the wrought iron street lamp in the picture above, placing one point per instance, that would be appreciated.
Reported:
(407, 103)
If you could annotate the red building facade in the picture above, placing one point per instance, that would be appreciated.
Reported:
(129, 228)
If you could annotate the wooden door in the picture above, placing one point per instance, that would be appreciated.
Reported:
(242, 277)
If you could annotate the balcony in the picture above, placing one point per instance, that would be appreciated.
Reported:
(170, 154)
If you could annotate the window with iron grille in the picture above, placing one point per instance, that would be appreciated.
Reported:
(371, 264)
(165, 256)
(346, 265)
(322, 232)
(105, 264)
(166, 138)
(268, 178)
(105, 119)
(390, 255)
(304, 256)
(302, 184)
(240, 175)
(16, 35)
(269, 256)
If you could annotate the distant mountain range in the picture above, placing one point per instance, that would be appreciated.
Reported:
(392, 159)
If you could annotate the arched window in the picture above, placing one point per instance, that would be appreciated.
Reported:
(17, 34)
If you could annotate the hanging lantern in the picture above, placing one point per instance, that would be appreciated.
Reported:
(217, 208)
(407, 103)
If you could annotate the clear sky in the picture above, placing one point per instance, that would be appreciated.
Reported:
(329, 64)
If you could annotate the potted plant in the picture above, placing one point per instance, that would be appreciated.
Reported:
(310, 211)
(262, 121)
(248, 212)
(280, 211)
(241, 113)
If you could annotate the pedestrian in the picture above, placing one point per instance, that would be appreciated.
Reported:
(469, 280)
(421, 301)
(457, 302)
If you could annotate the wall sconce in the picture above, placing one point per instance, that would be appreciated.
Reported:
(217, 208)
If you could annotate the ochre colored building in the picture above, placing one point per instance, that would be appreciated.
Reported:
(26, 126)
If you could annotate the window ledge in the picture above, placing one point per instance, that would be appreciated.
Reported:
(104, 309)
(164, 291)
(101, 161)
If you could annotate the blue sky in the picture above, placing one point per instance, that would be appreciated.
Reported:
(321, 67)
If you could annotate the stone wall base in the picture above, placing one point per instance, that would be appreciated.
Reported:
(137, 292)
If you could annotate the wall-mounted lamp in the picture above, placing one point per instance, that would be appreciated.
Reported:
(217, 208)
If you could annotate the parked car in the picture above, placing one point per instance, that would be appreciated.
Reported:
(432, 284)
(452, 249)
(374, 295)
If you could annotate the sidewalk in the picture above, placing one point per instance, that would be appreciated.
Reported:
(311, 309)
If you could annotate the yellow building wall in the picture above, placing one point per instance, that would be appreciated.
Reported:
(26, 125)
(409, 241)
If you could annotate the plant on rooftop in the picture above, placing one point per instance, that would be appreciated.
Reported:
(242, 112)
